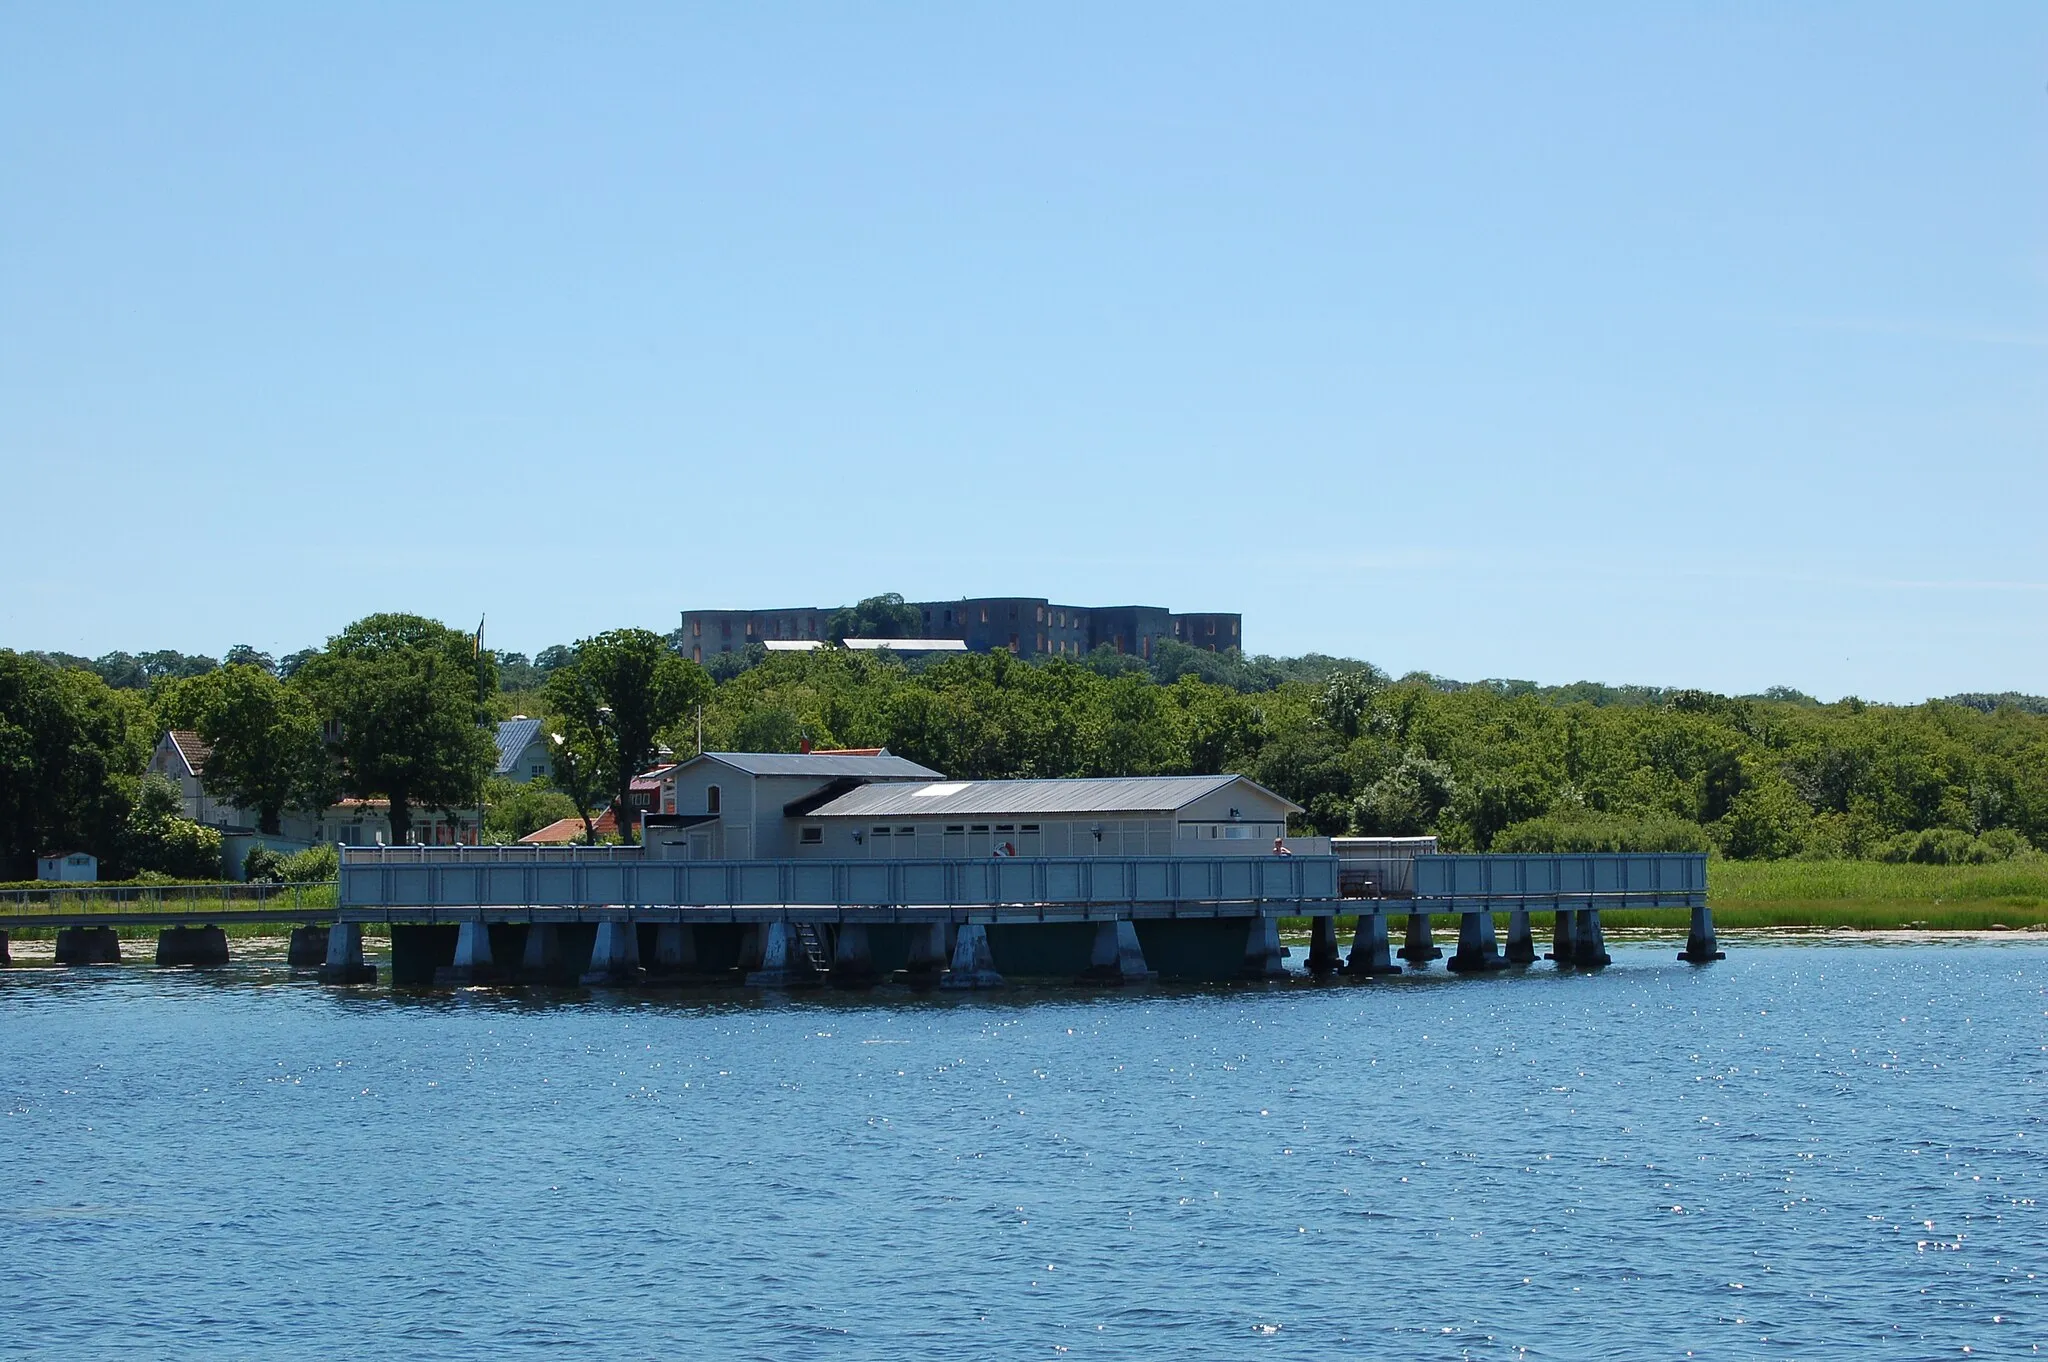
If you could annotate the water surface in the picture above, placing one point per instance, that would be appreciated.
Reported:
(1805, 1151)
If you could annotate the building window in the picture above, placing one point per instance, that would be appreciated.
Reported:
(984, 614)
(711, 800)
(906, 832)
(696, 628)
(979, 829)
(955, 829)
(878, 832)
(810, 837)
(539, 770)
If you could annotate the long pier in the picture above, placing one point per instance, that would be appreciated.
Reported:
(613, 914)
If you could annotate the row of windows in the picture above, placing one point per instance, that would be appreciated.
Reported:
(813, 836)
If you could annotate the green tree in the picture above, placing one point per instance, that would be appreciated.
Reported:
(70, 749)
(580, 772)
(884, 616)
(624, 687)
(407, 697)
(158, 837)
(265, 734)
(512, 810)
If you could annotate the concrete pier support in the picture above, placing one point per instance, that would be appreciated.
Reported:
(1564, 937)
(853, 958)
(1117, 956)
(1323, 957)
(1589, 949)
(615, 956)
(308, 949)
(783, 961)
(1478, 948)
(1262, 958)
(1369, 947)
(675, 949)
(199, 947)
(973, 966)
(88, 946)
(344, 964)
(1700, 946)
(473, 963)
(541, 959)
(1421, 947)
(1521, 941)
(929, 952)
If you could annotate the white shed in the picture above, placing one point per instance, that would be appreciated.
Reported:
(68, 865)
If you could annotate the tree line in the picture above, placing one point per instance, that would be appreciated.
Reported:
(395, 707)
(400, 708)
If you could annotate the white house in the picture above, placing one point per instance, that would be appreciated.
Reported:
(181, 756)
(870, 804)
(733, 805)
(1118, 816)
(68, 865)
(523, 753)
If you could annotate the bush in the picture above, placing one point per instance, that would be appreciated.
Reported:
(515, 810)
(312, 865)
(1584, 830)
(263, 865)
(1950, 846)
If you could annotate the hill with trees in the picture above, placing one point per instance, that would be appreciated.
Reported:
(397, 707)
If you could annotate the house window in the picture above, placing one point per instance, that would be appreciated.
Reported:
(906, 832)
(984, 614)
(711, 800)
(878, 832)
(810, 837)
(955, 829)
(539, 770)
(979, 829)
(1029, 829)
(696, 628)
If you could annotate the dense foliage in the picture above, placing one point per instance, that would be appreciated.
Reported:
(402, 706)
(1568, 768)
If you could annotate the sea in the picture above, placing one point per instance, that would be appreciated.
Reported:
(1813, 1149)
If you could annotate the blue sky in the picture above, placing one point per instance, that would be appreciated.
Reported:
(1678, 344)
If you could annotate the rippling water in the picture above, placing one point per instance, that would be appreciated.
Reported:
(1808, 1151)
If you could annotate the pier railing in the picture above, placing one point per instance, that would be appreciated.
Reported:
(1457, 883)
(399, 878)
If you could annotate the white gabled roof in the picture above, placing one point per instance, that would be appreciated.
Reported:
(1023, 798)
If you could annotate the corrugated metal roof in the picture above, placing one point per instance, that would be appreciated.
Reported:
(514, 735)
(1130, 794)
(907, 645)
(881, 766)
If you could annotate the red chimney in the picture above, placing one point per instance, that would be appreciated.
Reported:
(804, 746)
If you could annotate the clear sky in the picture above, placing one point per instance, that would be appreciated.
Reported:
(1684, 344)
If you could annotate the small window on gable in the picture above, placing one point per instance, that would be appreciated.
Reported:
(810, 837)
(711, 799)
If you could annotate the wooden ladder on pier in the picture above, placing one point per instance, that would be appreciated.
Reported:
(814, 947)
